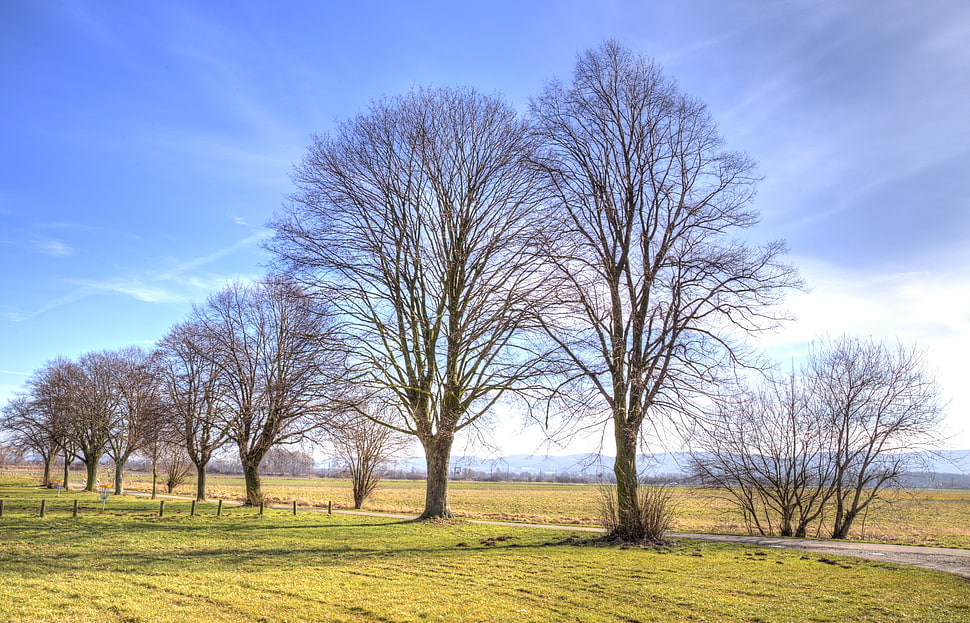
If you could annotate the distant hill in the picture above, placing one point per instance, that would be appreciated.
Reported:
(661, 464)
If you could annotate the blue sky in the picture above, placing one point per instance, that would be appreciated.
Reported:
(144, 146)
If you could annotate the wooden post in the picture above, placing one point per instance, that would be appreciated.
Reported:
(1, 507)
(74, 512)
(330, 507)
(192, 512)
(219, 509)
(43, 508)
(161, 508)
(260, 509)
(294, 507)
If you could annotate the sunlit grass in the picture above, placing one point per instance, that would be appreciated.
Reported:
(128, 564)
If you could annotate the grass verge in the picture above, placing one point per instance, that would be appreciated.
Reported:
(128, 564)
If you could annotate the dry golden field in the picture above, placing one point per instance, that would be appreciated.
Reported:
(924, 517)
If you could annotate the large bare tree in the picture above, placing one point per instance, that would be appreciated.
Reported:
(278, 364)
(418, 218)
(192, 395)
(652, 293)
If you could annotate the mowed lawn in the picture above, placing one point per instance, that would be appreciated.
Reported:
(921, 517)
(129, 564)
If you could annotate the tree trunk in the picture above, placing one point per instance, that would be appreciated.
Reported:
(628, 524)
(92, 465)
(119, 475)
(437, 449)
(48, 465)
(200, 482)
(154, 478)
(67, 469)
(254, 491)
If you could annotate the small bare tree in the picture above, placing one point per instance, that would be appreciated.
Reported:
(881, 404)
(192, 392)
(135, 380)
(651, 293)
(769, 454)
(418, 219)
(362, 446)
(29, 429)
(278, 362)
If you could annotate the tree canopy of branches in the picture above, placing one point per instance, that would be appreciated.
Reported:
(135, 380)
(278, 366)
(192, 393)
(418, 218)
(651, 296)
(880, 405)
(28, 427)
(362, 446)
(768, 452)
(827, 440)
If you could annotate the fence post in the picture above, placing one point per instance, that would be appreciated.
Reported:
(74, 512)
(294, 507)
(192, 512)
(1, 507)
(219, 509)
(330, 507)
(161, 508)
(43, 508)
(261, 509)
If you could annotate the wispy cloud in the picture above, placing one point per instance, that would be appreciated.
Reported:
(132, 287)
(53, 248)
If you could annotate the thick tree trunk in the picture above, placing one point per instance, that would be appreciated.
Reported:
(254, 491)
(119, 475)
(92, 466)
(629, 525)
(438, 452)
(200, 482)
(48, 465)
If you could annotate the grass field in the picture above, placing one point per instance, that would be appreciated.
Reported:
(128, 564)
(923, 517)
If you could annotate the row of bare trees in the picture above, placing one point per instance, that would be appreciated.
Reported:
(444, 254)
(255, 367)
(820, 444)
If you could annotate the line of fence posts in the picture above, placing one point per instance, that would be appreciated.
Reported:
(161, 507)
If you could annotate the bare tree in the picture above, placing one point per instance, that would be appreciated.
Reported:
(28, 429)
(278, 364)
(651, 295)
(287, 461)
(362, 446)
(192, 392)
(769, 453)
(136, 382)
(92, 404)
(49, 393)
(418, 219)
(881, 404)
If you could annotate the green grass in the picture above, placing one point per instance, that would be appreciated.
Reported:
(127, 564)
